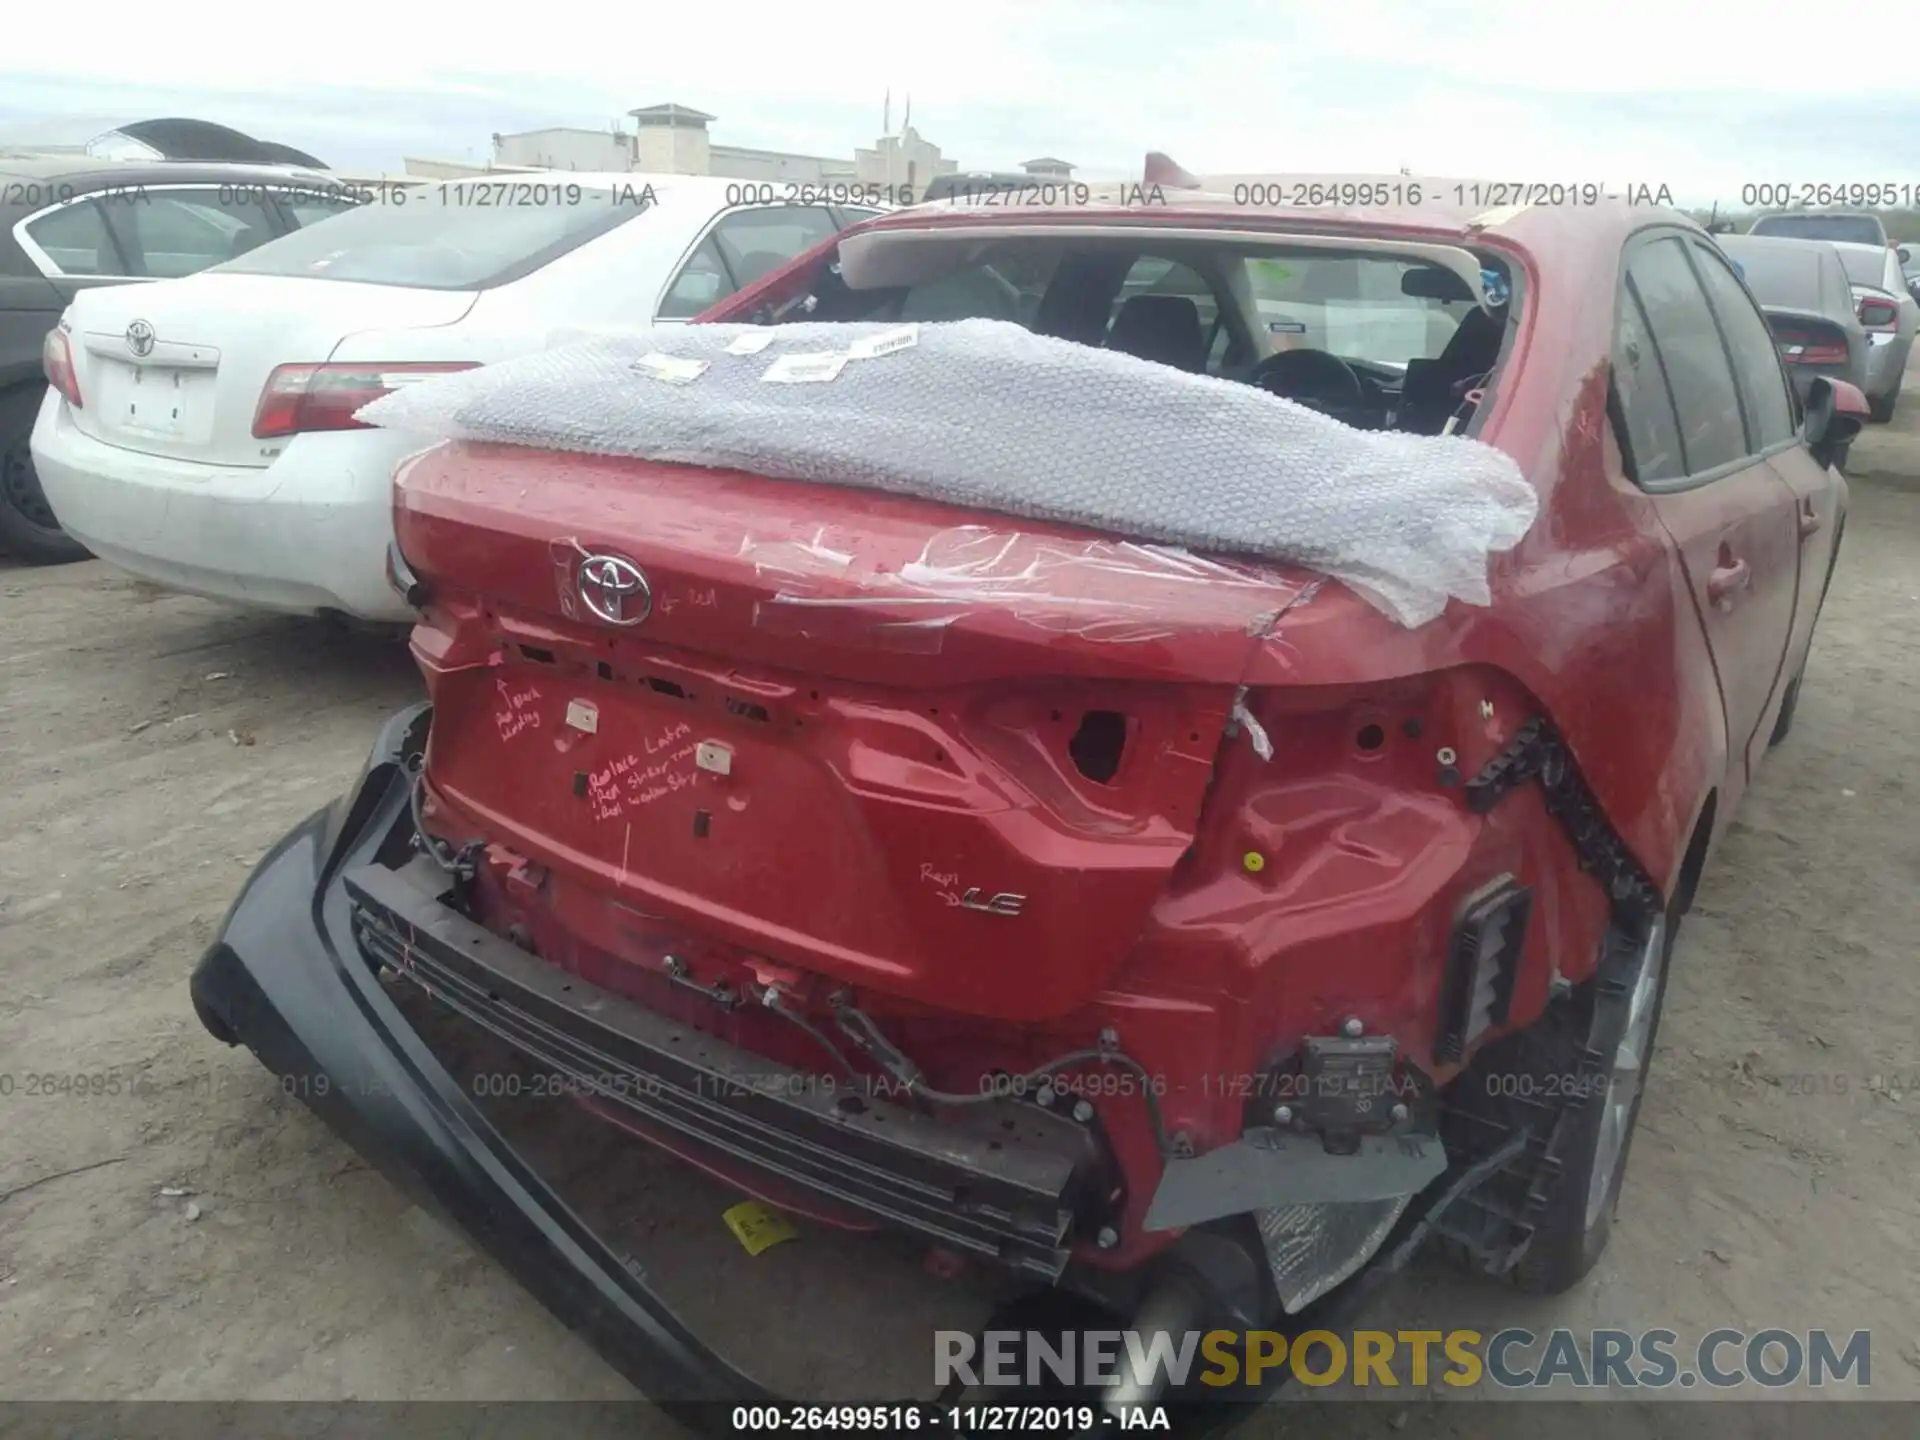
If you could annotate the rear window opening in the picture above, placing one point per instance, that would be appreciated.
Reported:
(1378, 337)
(463, 235)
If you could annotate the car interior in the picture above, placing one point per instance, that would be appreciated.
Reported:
(1377, 339)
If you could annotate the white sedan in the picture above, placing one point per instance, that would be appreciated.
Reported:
(200, 433)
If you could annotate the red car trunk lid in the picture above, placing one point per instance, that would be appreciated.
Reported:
(949, 757)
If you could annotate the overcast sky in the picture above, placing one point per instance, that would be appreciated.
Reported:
(1635, 91)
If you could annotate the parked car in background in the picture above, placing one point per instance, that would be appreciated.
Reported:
(201, 432)
(69, 224)
(183, 138)
(978, 903)
(1852, 227)
(1888, 314)
(1803, 289)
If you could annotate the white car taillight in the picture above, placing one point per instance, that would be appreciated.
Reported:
(300, 398)
(56, 359)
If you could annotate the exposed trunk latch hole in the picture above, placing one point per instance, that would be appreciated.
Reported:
(537, 655)
(667, 687)
(1097, 745)
(747, 710)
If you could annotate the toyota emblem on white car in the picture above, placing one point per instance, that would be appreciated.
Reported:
(613, 587)
(140, 338)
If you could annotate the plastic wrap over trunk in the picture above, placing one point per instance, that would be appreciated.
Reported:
(989, 416)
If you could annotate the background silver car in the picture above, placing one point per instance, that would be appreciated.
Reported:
(1803, 288)
(1889, 316)
(1849, 227)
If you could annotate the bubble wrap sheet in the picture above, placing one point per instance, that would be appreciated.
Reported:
(986, 415)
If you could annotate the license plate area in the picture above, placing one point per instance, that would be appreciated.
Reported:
(667, 783)
(159, 401)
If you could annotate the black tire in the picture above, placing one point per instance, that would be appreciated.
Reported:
(1567, 1070)
(1578, 1218)
(1840, 457)
(1882, 410)
(28, 529)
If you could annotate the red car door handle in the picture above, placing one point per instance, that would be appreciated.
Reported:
(1809, 522)
(1727, 579)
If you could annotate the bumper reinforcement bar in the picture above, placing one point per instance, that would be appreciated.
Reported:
(1008, 1195)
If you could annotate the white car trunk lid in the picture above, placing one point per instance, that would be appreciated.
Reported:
(177, 368)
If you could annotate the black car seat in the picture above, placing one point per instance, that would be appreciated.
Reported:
(1165, 328)
(1427, 395)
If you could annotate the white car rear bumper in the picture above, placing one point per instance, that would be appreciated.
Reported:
(305, 534)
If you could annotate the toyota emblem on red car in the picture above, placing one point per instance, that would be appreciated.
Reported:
(613, 587)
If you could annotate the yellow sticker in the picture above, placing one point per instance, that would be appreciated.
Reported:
(1254, 861)
(756, 1227)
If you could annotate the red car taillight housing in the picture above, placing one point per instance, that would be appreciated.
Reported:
(56, 360)
(301, 398)
(1811, 345)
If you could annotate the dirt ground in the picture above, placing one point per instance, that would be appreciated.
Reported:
(207, 1238)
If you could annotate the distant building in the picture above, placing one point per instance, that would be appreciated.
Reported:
(564, 149)
(903, 159)
(435, 168)
(1048, 168)
(673, 140)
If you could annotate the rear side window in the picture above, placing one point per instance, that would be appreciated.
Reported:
(463, 235)
(1653, 431)
(1756, 359)
(755, 243)
(1699, 376)
(75, 241)
(702, 281)
(167, 233)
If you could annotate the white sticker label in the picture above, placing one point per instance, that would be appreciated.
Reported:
(751, 343)
(885, 343)
(671, 369)
(805, 369)
(582, 716)
(712, 755)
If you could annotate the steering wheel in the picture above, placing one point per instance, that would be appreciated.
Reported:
(1314, 378)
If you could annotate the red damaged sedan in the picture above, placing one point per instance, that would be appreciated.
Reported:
(1141, 899)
